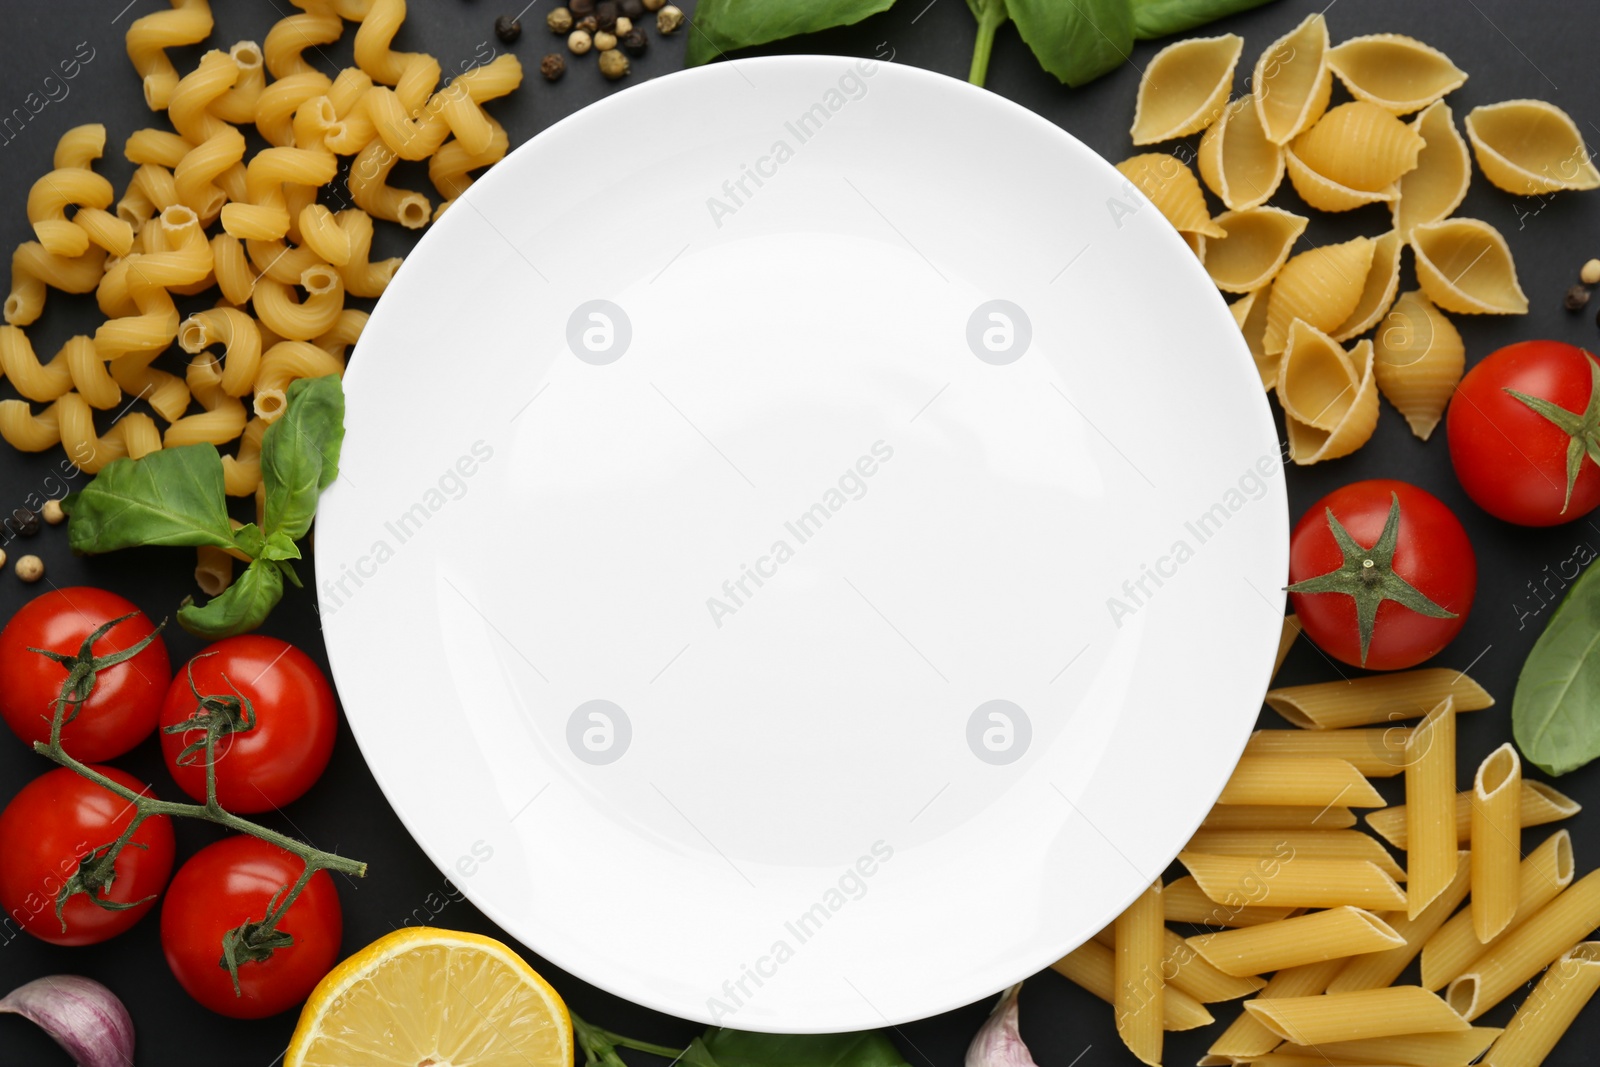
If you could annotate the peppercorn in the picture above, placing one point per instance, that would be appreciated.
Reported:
(669, 18)
(605, 42)
(1577, 298)
(580, 42)
(30, 568)
(635, 43)
(1590, 274)
(606, 13)
(507, 28)
(623, 27)
(559, 20)
(581, 8)
(632, 8)
(589, 25)
(552, 67)
(52, 514)
(613, 64)
(654, 5)
(23, 523)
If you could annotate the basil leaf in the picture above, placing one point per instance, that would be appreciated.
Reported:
(280, 547)
(300, 454)
(241, 607)
(697, 1055)
(722, 25)
(741, 1048)
(248, 539)
(171, 497)
(1076, 40)
(1160, 18)
(1555, 715)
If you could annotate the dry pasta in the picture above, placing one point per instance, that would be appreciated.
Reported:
(1277, 817)
(1379, 698)
(1449, 1048)
(362, 276)
(1257, 245)
(1247, 1037)
(1348, 413)
(283, 363)
(1357, 1015)
(279, 101)
(1292, 82)
(1443, 172)
(1418, 357)
(1530, 147)
(1321, 287)
(291, 318)
(1322, 935)
(71, 185)
(1315, 782)
(1375, 752)
(1172, 187)
(1465, 266)
(346, 331)
(1399, 74)
(266, 216)
(1555, 1002)
(1237, 160)
(189, 109)
(241, 473)
(1286, 640)
(1139, 989)
(1378, 291)
(1430, 807)
(1496, 841)
(1375, 970)
(370, 189)
(449, 169)
(1294, 881)
(189, 22)
(1310, 844)
(1540, 804)
(1091, 966)
(33, 269)
(292, 35)
(1184, 88)
(1185, 970)
(1524, 950)
(241, 341)
(76, 366)
(213, 570)
(238, 105)
(223, 418)
(1359, 146)
(1185, 902)
(195, 177)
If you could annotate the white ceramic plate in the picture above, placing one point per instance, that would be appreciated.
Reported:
(675, 635)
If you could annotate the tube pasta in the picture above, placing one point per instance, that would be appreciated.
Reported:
(1419, 357)
(1172, 187)
(151, 190)
(1322, 935)
(1376, 752)
(1374, 970)
(1530, 147)
(1396, 73)
(1255, 249)
(161, 148)
(238, 105)
(1091, 966)
(1308, 844)
(1523, 951)
(1448, 1048)
(1312, 782)
(1184, 88)
(293, 319)
(241, 473)
(241, 341)
(1545, 1016)
(1379, 698)
(150, 331)
(1465, 266)
(189, 108)
(1444, 170)
(266, 216)
(1356, 409)
(1540, 804)
(77, 365)
(317, 24)
(1186, 902)
(363, 277)
(70, 423)
(281, 262)
(1496, 841)
(1277, 817)
(280, 100)
(1139, 989)
(1292, 82)
(1360, 1014)
(370, 189)
(25, 431)
(33, 269)
(1430, 806)
(189, 22)
(1185, 970)
(320, 231)
(1321, 286)
(105, 230)
(1291, 881)
(283, 363)
(1237, 161)
(223, 418)
(231, 267)
(449, 167)
(1377, 292)
(196, 173)
(1250, 312)
(1455, 948)
(345, 332)
(1247, 1037)
(52, 194)
(213, 569)
(164, 392)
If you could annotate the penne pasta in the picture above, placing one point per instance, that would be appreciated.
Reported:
(1453, 949)
(1449, 1048)
(1359, 1015)
(1399, 74)
(1307, 844)
(1465, 266)
(1323, 935)
(1277, 817)
(1291, 631)
(1496, 841)
(1375, 970)
(1289, 881)
(1430, 807)
(1524, 950)
(1376, 699)
(1544, 1017)
(1247, 1037)
(213, 570)
(1139, 989)
(1376, 752)
(1091, 966)
(1529, 147)
(1183, 969)
(1185, 902)
(1540, 804)
(1184, 88)
(1292, 780)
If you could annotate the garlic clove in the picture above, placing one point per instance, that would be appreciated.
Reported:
(83, 1016)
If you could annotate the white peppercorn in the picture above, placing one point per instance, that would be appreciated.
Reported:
(624, 26)
(52, 513)
(604, 42)
(668, 19)
(613, 64)
(30, 568)
(580, 42)
(1590, 275)
(654, 5)
(559, 20)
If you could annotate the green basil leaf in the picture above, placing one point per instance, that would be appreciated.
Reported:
(279, 547)
(697, 1055)
(1555, 714)
(741, 1048)
(248, 539)
(720, 26)
(1076, 40)
(171, 497)
(240, 608)
(1161, 18)
(300, 454)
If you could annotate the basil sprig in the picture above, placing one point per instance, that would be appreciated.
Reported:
(176, 497)
(1555, 714)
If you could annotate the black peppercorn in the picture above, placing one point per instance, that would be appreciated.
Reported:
(589, 24)
(606, 13)
(507, 28)
(633, 9)
(1577, 298)
(580, 8)
(634, 42)
(552, 67)
(23, 522)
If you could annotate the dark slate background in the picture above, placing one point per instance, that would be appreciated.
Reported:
(1512, 49)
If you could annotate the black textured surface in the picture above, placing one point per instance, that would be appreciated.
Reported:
(1512, 48)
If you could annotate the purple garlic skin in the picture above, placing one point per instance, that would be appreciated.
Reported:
(83, 1016)
(998, 1042)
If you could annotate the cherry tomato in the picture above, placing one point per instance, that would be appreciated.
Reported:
(1398, 590)
(58, 819)
(277, 759)
(122, 709)
(230, 883)
(1514, 455)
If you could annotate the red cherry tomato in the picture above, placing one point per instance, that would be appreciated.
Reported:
(122, 709)
(57, 820)
(1510, 458)
(278, 758)
(230, 883)
(1421, 579)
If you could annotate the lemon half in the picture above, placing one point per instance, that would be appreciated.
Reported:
(422, 997)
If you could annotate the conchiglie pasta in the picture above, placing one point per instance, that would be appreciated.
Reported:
(1444, 170)
(1418, 359)
(1383, 281)
(1360, 146)
(1173, 189)
(1397, 73)
(1321, 287)
(1256, 247)
(1324, 193)
(1236, 159)
(1292, 82)
(1530, 146)
(1465, 266)
(1250, 312)
(1184, 88)
(1331, 386)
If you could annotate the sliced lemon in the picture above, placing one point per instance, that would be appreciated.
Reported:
(421, 997)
